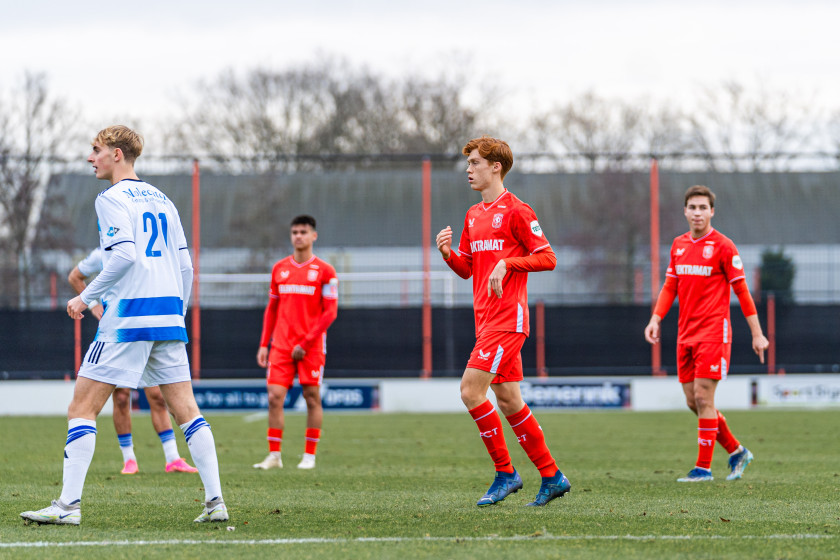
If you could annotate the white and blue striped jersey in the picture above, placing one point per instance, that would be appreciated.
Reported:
(147, 303)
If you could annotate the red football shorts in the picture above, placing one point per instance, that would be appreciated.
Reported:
(499, 353)
(709, 360)
(309, 370)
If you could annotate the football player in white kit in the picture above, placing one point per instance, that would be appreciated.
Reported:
(144, 285)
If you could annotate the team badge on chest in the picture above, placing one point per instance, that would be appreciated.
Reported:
(312, 275)
(497, 220)
(708, 251)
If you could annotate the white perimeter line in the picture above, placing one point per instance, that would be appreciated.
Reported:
(43, 544)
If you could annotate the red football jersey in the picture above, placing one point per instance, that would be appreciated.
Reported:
(506, 227)
(704, 269)
(302, 293)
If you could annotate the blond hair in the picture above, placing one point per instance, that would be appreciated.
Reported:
(122, 137)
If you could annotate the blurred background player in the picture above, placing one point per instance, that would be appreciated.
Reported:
(146, 281)
(121, 397)
(704, 264)
(302, 304)
(501, 243)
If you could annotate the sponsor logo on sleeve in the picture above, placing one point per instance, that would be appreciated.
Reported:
(536, 229)
(112, 231)
(736, 262)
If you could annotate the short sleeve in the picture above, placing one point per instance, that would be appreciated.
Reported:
(91, 264)
(464, 242)
(181, 236)
(731, 263)
(272, 288)
(528, 231)
(671, 270)
(114, 222)
(329, 287)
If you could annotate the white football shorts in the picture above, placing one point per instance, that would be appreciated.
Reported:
(143, 363)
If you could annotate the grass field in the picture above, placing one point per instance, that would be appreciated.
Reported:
(405, 486)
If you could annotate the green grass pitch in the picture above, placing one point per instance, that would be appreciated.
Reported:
(405, 485)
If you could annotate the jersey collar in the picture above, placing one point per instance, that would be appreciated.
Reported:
(710, 232)
(301, 265)
(485, 206)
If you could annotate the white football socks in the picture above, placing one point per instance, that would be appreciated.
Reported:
(202, 447)
(78, 452)
(170, 448)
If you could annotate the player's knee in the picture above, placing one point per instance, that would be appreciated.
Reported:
(470, 398)
(156, 401)
(122, 398)
(275, 400)
(703, 401)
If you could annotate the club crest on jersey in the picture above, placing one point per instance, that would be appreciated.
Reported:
(312, 275)
(536, 229)
(497, 220)
(708, 251)
(284, 274)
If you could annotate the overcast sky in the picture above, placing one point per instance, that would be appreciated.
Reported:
(132, 59)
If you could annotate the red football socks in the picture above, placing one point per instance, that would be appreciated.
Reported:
(313, 436)
(724, 436)
(706, 434)
(490, 427)
(275, 440)
(531, 438)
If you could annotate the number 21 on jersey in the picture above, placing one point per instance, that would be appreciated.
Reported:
(150, 226)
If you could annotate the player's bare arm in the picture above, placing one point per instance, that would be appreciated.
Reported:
(494, 283)
(444, 242)
(759, 341)
(652, 329)
(262, 356)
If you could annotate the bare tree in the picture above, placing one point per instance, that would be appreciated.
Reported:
(35, 129)
(613, 231)
(604, 132)
(435, 116)
(282, 121)
(750, 130)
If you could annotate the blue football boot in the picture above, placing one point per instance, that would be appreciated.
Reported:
(552, 487)
(738, 462)
(697, 475)
(503, 485)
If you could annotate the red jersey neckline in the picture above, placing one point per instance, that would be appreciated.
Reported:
(710, 232)
(301, 265)
(485, 206)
